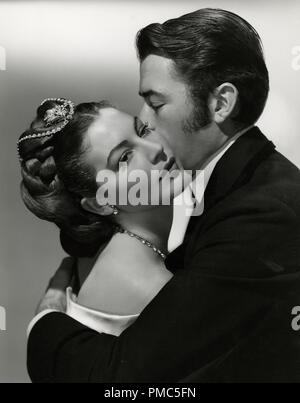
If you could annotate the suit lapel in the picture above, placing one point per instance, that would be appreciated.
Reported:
(231, 171)
(234, 168)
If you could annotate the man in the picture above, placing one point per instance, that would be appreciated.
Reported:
(225, 316)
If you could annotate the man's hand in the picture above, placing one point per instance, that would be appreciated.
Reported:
(55, 297)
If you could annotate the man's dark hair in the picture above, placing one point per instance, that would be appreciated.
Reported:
(210, 47)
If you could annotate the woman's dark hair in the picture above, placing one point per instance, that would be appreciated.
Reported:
(56, 176)
(210, 47)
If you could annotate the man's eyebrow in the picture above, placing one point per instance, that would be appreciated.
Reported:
(120, 145)
(148, 93)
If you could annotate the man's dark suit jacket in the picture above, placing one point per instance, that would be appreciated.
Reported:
(226, 314)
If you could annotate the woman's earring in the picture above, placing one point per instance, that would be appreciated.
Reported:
(115, 210)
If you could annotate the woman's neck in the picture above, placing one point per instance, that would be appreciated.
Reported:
(154, 225)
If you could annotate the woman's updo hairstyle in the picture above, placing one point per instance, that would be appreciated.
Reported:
(56, 175)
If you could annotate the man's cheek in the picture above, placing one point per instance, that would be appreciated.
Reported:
(172, 128)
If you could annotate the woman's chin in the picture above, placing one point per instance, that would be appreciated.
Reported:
(173, 184)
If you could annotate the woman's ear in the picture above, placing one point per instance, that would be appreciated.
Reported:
(225, 103)
(90, 204)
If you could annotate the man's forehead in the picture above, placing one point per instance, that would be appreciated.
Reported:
(158, 75)
(156, 68)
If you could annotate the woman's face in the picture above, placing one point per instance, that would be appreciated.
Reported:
(136, 161)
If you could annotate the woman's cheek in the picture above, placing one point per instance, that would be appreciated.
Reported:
(134, 181)
(122, 185)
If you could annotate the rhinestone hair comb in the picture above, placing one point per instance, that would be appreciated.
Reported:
(60, 114)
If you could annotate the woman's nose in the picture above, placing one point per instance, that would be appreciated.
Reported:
(155, 152)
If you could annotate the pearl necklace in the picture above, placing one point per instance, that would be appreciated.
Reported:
(143, 241)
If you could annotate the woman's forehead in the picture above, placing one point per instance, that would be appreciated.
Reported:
(109, 122)
(110, 128)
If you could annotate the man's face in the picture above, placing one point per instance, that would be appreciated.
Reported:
(168, 108)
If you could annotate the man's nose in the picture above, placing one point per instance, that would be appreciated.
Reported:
(145, 114)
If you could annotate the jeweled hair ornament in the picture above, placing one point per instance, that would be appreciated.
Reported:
(59, 115)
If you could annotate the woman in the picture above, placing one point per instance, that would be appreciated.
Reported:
(122, 246)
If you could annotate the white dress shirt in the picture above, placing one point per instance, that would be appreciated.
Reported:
(183, 205)
(184, 208)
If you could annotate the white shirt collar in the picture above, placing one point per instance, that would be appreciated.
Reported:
(185, 206)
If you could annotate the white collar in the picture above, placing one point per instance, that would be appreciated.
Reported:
(184, 204)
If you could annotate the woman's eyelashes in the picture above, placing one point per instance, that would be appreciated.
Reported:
(142, 132)
(126, 156)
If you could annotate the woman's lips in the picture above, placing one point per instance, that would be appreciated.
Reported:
(169, 167)
(169, 164)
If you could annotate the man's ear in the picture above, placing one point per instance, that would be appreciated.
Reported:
(225, 102)
(90, 204)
